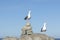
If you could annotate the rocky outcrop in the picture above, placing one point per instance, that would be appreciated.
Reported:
(36, 37)
(10, 38)
(27, 29)
(27, 34)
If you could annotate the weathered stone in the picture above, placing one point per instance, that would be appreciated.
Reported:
(36, 37)
(10, 38)
(27, 29)
(27, 34)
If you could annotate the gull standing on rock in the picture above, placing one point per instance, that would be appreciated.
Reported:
(43, 29)
(28, 16)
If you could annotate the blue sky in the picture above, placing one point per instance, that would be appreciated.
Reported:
(12, 13)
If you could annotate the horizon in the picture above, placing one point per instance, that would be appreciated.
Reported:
(12, 15)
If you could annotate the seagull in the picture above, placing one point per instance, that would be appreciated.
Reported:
(43, 29)
(28, 16)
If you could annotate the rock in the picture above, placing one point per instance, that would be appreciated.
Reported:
(27, 29)
(27, 34)
(10, 38)
(36, 36)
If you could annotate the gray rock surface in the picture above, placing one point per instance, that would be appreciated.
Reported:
(36, 37)
(27, 34)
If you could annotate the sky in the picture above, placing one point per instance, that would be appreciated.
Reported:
(12, 13)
